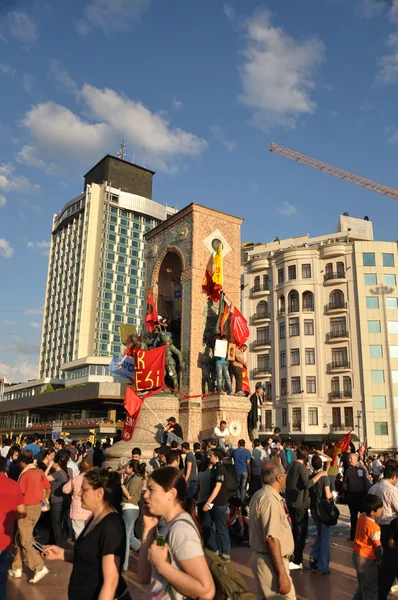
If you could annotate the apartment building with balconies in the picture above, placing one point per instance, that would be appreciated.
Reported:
(322, 354)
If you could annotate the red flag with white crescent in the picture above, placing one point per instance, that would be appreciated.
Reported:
(240, 328)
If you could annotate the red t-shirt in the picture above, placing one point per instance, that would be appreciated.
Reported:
(10, 498)
(32, 484)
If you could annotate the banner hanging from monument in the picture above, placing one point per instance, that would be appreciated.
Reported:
(132, 404)
(149, 368)
(151, 316)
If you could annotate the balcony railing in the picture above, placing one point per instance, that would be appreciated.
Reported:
(260, 288)
(335, 306)
(296, 426)
(342, 427)
(262, 342)
(294, 308)
(336, 275)
(308, 308)
(259, 371)
(340, 395)
(340, 333)
(260, 316)
(336, 365)
(281, 312)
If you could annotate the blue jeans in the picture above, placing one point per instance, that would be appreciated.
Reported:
(222, 369)
(217, 516)
(191, 490)
(167, 438)
(321, 549)
(242, 480)
(129, 517)
(5, 562)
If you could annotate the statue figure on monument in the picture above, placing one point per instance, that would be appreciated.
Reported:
(171, 365)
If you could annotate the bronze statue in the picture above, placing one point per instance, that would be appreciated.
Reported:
(171, 365)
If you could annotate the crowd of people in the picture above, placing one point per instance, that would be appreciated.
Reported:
(186, 501)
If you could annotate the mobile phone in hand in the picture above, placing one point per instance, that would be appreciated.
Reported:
(39, 548)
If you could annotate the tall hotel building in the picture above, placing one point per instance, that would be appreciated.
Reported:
(323, 316)
(96, 267)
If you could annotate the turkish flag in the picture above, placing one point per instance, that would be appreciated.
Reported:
(209, 287)
(341, 446)
(151, 316)
(362, 449)
(240, 328)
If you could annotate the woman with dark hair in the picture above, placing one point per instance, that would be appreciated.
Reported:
(320, 552)
(57, 479)
(13, 466)
(78, 514)
(131, 488)
(99, 551)
(187, 573)
(48, 457)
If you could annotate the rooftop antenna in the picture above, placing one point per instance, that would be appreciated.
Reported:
(122, 152)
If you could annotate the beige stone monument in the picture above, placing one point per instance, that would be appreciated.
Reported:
(178, 253)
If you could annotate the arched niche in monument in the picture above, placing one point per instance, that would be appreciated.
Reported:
(167, 288)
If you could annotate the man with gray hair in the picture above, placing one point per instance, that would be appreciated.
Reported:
(271, 536)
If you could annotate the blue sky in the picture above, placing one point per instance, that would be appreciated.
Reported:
(201, 89)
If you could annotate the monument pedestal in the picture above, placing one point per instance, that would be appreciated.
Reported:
(232, 409)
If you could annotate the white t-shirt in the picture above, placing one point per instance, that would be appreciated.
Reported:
(73, 466)
(217, 433)
(184, 542)
(4, 451)
(259, 455)
(377, 467)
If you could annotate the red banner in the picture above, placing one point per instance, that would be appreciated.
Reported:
(129, 425)
(343, 445)
(133, 403)
(149, 366)
(245, 381)
(151, 316)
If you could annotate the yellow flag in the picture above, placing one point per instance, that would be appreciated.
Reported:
(218, 273)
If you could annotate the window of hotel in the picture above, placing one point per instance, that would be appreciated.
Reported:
(392, 326)
(377, 376)
(372, 302)
(308, 327)
(370, 279)
(374, 327)
(283, 386)
(294, 326)
(291, 271)
(310, 356)
(394, 351)
(268, 420)
(295, 356)
(283, 359)
(388, 260)
(369, 259)
(392, 303)
(284, 417)
(282, 330)
(347, 386)
(379, 402)
(340, 269)
(262, 334)
(376, 351)
(295, 384)
(340, 357)
(312, 416)
(311, 385)
(395, 398)
(394, 376)
(349, 417)
(296, 419)
(281, 275)
(306, 271)
(263, 362)
(381, 428)
(390, 279)
(336, 416)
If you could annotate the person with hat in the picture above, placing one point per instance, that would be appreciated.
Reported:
(172, 432)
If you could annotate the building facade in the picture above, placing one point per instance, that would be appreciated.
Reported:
(96, 264)
(316, 332)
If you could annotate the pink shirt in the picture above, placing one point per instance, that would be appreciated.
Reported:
(77, 513)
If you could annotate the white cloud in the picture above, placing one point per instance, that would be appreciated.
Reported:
(43, 246)
(22, 27)
(278, 73)
(20, 345)
(3, 201)
(7, 69)
(394, 11)
(28, 156)
(220, 137)
(35, 325)
(10, 182)
(111, 15)
(6, 251)
(287, 209)
(33, 311)
(333, 113)
(61, 77)
(58, 133)
(28, 83)
(7, 322)
(177, 104)
(389, 64)
(366, 106)
(371, 8)
(229, 12)
(20, 371)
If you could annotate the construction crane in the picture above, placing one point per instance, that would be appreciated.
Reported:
(321, 166)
